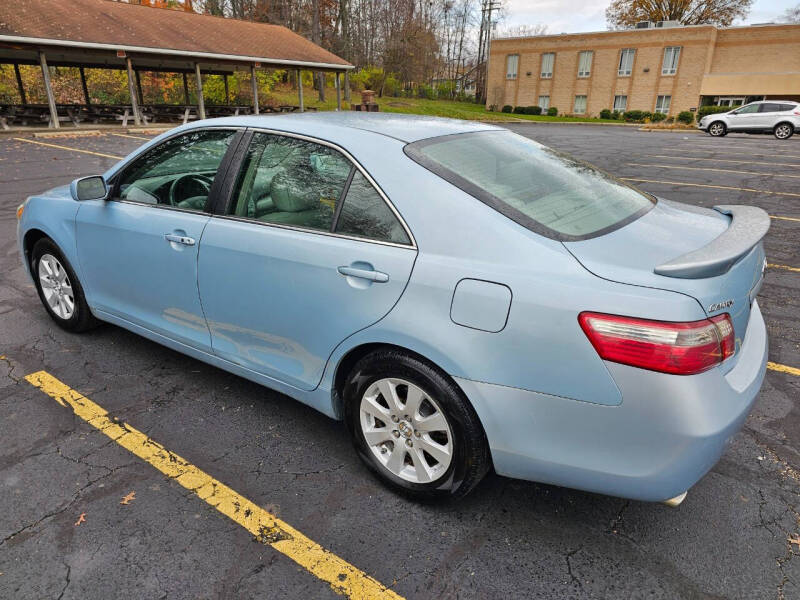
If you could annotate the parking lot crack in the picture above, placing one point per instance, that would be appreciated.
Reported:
(11, 368)
(66, 583)
(568, 558)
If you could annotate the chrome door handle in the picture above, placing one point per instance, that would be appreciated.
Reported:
(179, 239)
(375, 276)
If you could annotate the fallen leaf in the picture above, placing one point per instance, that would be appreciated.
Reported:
(81, 519)
(127, 499)
(795, 539)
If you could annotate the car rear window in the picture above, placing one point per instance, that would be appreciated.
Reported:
(544, 190)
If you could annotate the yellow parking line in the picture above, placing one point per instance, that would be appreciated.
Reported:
(707, 185)
(784, 218)
(134, 137)
(68, 148)
(783, 368)
(725, 160)
(343, 577)
(712, 169)
(784, 267)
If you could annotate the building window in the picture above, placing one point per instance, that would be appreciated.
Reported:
(580, 105)
(662, 104)
(626, 62)
(621, 103)
(512, 62)
(670, 65)
(544, 102)
(585, 63)
(548, 59)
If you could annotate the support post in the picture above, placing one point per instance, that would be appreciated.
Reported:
(300, 90)
(254, 83)
(227, 92)
(132, 91)
(201, 105)
(347, 86)
(85, 88)
(338, 92)
(185, 89)
(20, 85)
(51, 100)
(139, 88)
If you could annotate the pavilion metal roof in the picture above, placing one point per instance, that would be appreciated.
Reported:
(155, 35)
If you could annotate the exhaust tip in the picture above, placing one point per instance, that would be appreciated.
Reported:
(676, 501)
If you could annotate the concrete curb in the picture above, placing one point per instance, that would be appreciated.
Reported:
(665, 130)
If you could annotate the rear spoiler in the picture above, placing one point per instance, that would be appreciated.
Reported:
(749, 224)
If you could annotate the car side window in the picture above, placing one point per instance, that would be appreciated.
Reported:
(290, 181)
(750, 108)
(179, 172)
(365, 214)
(769, 107)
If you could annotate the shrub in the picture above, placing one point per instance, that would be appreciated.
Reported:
(685, 117)
(507, 108)
(616, 115)
(534, 110)
(633, 116)
(426, 91)
(552, 111)
(519, 110)
(605, 114)
(712, 110)
(657, 117)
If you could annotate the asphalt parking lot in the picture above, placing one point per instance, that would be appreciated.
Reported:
(67, 530)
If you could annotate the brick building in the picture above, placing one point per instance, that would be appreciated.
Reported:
(659, 68)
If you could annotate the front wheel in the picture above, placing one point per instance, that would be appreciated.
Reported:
(414, 428)
(59, 289)
(783, 131)
(717, 129)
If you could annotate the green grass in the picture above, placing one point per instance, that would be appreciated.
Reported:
(419, 106)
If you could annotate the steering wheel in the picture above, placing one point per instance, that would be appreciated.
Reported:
(176, 190)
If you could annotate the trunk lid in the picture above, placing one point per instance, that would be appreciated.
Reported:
(714, 257)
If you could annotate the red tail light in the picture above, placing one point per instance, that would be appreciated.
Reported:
(676, 348)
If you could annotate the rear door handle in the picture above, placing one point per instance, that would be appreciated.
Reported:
(179, 239)
(376, 276)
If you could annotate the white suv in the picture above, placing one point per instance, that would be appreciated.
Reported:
(778, 117)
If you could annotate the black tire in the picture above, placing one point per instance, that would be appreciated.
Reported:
(717, 129)
(470, 456)
(783, 130)
(81, 318)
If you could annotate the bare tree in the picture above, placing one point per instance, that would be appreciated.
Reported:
(523, 31)
(622, 14)
(792, 15)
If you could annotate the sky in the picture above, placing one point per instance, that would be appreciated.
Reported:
(574, 16)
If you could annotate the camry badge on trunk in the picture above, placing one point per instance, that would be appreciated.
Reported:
(720, 305)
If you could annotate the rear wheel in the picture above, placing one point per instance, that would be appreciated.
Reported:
(59, 289)
(783, 131)
(717, 129)
(414, 428)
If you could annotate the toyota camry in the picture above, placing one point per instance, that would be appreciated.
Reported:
(462, 297)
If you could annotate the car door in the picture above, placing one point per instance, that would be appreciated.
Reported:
(744, 118)
(138, 250)
(769, 115)
(308, 252)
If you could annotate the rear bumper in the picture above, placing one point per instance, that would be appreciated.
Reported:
(665, 435)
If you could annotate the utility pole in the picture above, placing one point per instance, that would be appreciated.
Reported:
(484, 44)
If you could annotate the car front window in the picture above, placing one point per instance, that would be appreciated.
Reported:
(535, 186)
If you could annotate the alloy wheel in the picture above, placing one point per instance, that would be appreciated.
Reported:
(716, 129)
(56, 286)
(406, 430)
(783, 131)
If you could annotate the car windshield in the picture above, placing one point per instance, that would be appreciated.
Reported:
(539, 188)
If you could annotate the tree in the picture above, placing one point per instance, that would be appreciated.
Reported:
(624, 14)
(519, 31)
(792, 15)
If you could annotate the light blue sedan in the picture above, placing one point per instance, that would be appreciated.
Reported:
(462, 297)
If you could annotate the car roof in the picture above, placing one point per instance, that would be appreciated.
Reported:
(336, 124)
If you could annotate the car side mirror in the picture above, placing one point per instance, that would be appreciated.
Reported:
(89, 188)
